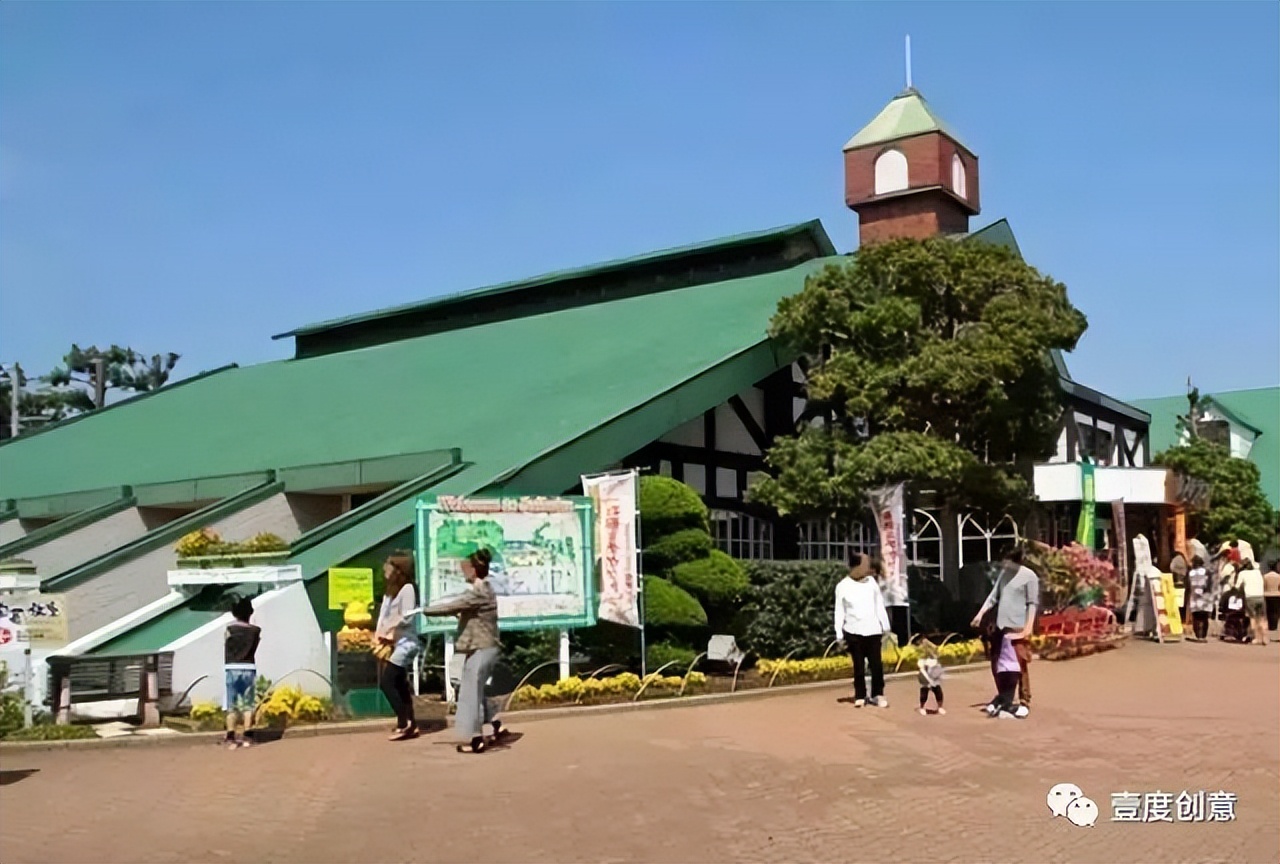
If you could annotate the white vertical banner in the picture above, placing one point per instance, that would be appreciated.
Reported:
(887, 504)
(617, 543)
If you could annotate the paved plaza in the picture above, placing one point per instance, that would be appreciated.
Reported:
(800, 777)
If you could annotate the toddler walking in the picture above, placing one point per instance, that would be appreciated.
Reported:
(930, 677)
(1008, 676)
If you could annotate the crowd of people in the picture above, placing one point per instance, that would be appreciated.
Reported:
(1006, 620)
(1232, 586)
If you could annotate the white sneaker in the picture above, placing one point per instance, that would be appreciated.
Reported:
(881, 702)
(1021, 712)
(858, 703)
(942, 712)
(923, 712)
(1005, 715)
(991, 710)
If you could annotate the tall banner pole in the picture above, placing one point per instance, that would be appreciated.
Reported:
(888, 505)
(644, 651)
(617, 497)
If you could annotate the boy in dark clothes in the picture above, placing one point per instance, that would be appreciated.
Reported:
(241, 648)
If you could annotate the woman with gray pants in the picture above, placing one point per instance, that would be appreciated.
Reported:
(477, 641)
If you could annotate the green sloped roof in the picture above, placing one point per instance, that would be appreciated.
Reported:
(498, 293)
(907, 114)
(1258, 408)
(503, 392)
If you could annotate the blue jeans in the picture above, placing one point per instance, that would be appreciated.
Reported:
(240, 690)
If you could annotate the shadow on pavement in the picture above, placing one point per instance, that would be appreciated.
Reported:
(7, 777)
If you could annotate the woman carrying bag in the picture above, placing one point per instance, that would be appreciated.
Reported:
(397, 643)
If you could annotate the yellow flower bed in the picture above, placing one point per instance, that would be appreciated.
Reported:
(626, 684)
(841, 666)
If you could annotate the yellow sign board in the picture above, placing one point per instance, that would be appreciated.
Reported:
(1170, 596)
(350, 585)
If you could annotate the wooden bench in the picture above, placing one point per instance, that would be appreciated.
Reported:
(78, 680)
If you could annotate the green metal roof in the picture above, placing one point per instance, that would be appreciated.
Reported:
(906, 115)
(1257, 409)
(554, 376)
(813, 229)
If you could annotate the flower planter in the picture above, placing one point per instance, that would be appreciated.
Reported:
(234, 560)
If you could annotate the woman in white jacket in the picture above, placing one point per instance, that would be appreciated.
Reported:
(861, 621)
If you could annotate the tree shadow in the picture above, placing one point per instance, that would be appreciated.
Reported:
(8, 777)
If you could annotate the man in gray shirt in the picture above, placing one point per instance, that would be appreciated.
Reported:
(1016, 597)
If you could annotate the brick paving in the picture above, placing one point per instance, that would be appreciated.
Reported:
(794, 778)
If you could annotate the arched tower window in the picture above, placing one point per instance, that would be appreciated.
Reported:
(891, 172)
(957, 176)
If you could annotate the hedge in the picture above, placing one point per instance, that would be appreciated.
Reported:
(790, 606)
(669, 606)
(662, 653)
(688, 544)
(666, 506)
(716, 580)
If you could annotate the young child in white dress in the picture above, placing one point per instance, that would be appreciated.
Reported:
(930, 676)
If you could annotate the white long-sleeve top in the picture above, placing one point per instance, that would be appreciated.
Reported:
(860, 608)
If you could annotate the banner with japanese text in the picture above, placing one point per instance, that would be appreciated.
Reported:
(887, 504)
(617, 544)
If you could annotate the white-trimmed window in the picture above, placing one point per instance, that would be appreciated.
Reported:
(891, 172)
(924, 546)
(742, 536)
(979, 543)
(825, 540)
(958, 184)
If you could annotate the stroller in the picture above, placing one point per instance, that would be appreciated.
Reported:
(1235, 621)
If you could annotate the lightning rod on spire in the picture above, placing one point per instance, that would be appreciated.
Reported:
(908, 61)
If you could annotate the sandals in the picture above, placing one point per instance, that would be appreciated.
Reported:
(476, 747)
(407, 734)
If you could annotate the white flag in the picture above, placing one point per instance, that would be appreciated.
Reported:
(887, 505)
(617, 544)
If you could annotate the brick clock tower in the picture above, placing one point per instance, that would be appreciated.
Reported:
(907, 174)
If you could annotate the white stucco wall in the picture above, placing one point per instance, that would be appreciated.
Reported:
(79, 547)
(291, 641)
(135, 583)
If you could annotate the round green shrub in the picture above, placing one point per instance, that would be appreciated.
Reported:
(666, 506)
(667, 605)
(662, 653)
(688, 544)
(716, 580)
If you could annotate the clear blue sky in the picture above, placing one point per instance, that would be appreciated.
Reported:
(197, 177)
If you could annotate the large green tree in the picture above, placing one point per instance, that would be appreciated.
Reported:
(929, 362)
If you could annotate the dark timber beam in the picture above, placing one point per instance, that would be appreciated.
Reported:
(753, 428)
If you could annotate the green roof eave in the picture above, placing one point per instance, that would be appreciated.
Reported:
(166, 533)
(906, 115)
(68, 524)
(813, 228)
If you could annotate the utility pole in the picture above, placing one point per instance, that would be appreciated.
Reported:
(15, 399)
(99, 381)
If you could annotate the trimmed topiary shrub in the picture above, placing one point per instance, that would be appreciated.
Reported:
(668, 606)
(716, 580)
(662, 653)
(789, 606)
(667, 506)
(686, 545)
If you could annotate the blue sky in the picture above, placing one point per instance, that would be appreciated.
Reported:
(198, 177)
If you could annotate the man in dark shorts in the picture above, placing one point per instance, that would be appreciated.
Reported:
(240, 653)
